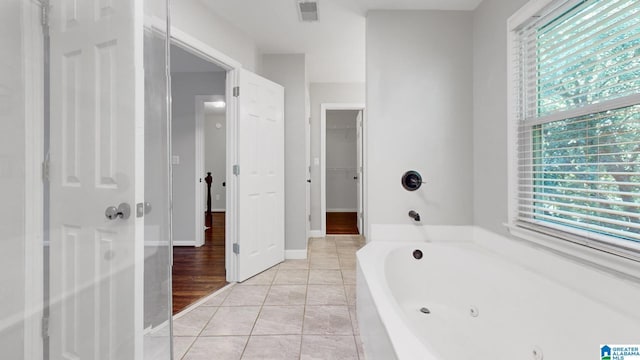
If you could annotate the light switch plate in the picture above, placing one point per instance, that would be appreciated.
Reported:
(175, 160)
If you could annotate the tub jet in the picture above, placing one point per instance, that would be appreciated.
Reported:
(424, 310)
(536, 353)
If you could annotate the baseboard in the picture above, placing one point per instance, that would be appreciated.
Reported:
(295, 254)
(156, 243)
(342, 210)
(315, 233)
(184, 243)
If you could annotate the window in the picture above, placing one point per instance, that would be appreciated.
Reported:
(576, 116)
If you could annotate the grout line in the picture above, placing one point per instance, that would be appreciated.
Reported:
(356, 343)
(188, 347)
(259, 312)
(225, 289)
(221, 305)
(306, 295)
(201, 330)
(208, 321)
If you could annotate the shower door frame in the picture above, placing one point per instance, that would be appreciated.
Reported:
(34, 27)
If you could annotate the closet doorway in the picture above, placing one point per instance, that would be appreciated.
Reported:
(342, 169)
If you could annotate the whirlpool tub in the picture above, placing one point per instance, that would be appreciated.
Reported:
(452, 296)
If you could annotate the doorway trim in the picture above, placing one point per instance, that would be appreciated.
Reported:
(34, 126)
(200, 166)
(196, 47)
(324, 107)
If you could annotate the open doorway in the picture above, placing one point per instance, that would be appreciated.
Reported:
(342, 169)
(199, 150)
(253, 181)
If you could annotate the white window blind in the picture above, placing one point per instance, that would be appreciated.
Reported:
(578, 113)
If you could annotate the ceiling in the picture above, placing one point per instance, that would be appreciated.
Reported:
(183, 61)
(334, 46)
(417, 4)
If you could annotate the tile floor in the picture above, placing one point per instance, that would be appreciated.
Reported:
(299, 309)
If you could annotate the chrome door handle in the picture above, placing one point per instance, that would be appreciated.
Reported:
(123, 211)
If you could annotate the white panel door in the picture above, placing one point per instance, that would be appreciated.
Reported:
(359, 172)
(97, 161)
(261, 178)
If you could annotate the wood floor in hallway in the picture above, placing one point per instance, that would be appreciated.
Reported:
(197, 272)
(342, 223)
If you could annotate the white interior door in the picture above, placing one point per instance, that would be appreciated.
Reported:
(97, 161)
(261, 174)
(359, 173)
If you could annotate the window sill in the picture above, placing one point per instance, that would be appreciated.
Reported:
(601, 260)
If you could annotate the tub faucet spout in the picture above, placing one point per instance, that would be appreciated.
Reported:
(414, 215)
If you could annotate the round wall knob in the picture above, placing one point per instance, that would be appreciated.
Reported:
(411, 180)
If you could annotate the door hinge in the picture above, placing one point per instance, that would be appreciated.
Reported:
(45, 327)
(44, 13)
(309, 217)
(45, 168)
(236, 91)
(236, 248)
(236, 169)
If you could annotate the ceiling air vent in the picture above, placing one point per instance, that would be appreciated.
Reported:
(307, 10)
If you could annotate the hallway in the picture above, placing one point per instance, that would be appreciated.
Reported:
(199, 271)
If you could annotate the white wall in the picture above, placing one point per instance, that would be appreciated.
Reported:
(490, 112)
(184, 88)
(321, 93)
(419, 115)
(289, 70)
(342, 160)
(215, 144)
(194, 18)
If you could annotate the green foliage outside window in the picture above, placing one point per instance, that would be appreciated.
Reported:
(586, 169)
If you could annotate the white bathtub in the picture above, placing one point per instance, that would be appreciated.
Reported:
(485, 305)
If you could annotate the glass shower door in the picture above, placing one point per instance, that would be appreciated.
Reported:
(84, 178)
